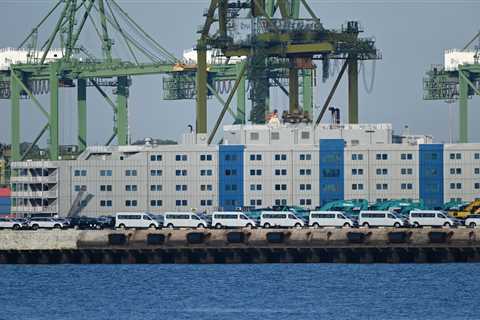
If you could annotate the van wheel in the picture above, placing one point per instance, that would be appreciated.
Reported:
(316, 225)
(35, 227)
(397, 225)
(57, 226)
(249, 226)
(267, 225)
(201, 225)
(170, 226)
(447, 225)
(121, 226)
(471, 225)
(297, 225)
(16, 227)
(347, 225)
(366, 225)
(218, 226)
(416, 225)
(152, 226)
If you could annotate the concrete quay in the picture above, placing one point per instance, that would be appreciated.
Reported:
(382, 245)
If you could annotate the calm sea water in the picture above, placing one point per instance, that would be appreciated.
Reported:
(288, 291)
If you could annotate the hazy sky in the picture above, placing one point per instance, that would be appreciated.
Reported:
(410, 34)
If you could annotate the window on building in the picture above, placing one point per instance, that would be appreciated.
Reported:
(255, 187)
(357, 156)
(206, 203)
(131, 203)
(357, 186)
(382, 186)
(305, 156)
(131, 187)
(382, 171)
(406, 156)
(181, 203)
(255, 157)
(105, 203)
(254, 136)
(455, 156)
(255, 172)
(156, 157)
(156, 173)
(406, 186)
(76, 173)
(181, 157)
(180, 173)
(281, 157)
(181, 187)
(206, 172)
(477, 185)
(206, 187)
(230, 172)
(457, 186)
(205, 157)
(305, 172)
(305, 202)
(476, 171)
(131, 173)
(476, 156)
(305, 135)
(275, 136)
(305, 187)
(106, 187)
(156, 203)
(331, 173)
(381, 156)
(255, 202)
(79, 188)
(280, 187)
(156, 187)
(406, 171)
(105, 173)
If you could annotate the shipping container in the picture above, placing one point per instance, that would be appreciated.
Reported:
(5, 201)
(5, 192)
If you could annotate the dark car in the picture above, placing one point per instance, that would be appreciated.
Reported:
(106, 222)
(84, 223)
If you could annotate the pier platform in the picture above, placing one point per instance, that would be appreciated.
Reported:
(362, 245)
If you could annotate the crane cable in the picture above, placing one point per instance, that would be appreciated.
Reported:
(369, 87)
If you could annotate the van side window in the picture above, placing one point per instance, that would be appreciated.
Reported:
(146, 218)
(391, 216)
(291, 216)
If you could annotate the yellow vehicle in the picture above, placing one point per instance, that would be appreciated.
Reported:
(462, 212)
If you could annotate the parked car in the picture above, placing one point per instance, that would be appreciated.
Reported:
(7, 223)
(84, 223)
(231, 220)
(318, 219)
(431, 218)
(106, 222)
(282, 219)
(473, 221)
(45, 223)
(183, 220)
(136, 220)
(379, 219)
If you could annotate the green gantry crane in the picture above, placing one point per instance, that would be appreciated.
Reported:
(75, 66)
(460, 83)
(278, 46)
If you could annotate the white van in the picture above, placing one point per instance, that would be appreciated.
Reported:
(423, 218)
(183, 220)
(379, 219)
(287, 219)
(231, 220)
(318, 219)
(136, 220)
(473, 220)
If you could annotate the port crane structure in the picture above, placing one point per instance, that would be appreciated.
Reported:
(457, 80)
(257, 44)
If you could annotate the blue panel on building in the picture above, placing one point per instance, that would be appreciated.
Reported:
(230, 176)
(431, 175)
(331, 170)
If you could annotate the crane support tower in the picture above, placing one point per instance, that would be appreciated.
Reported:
(458, 79)
(278, 45)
